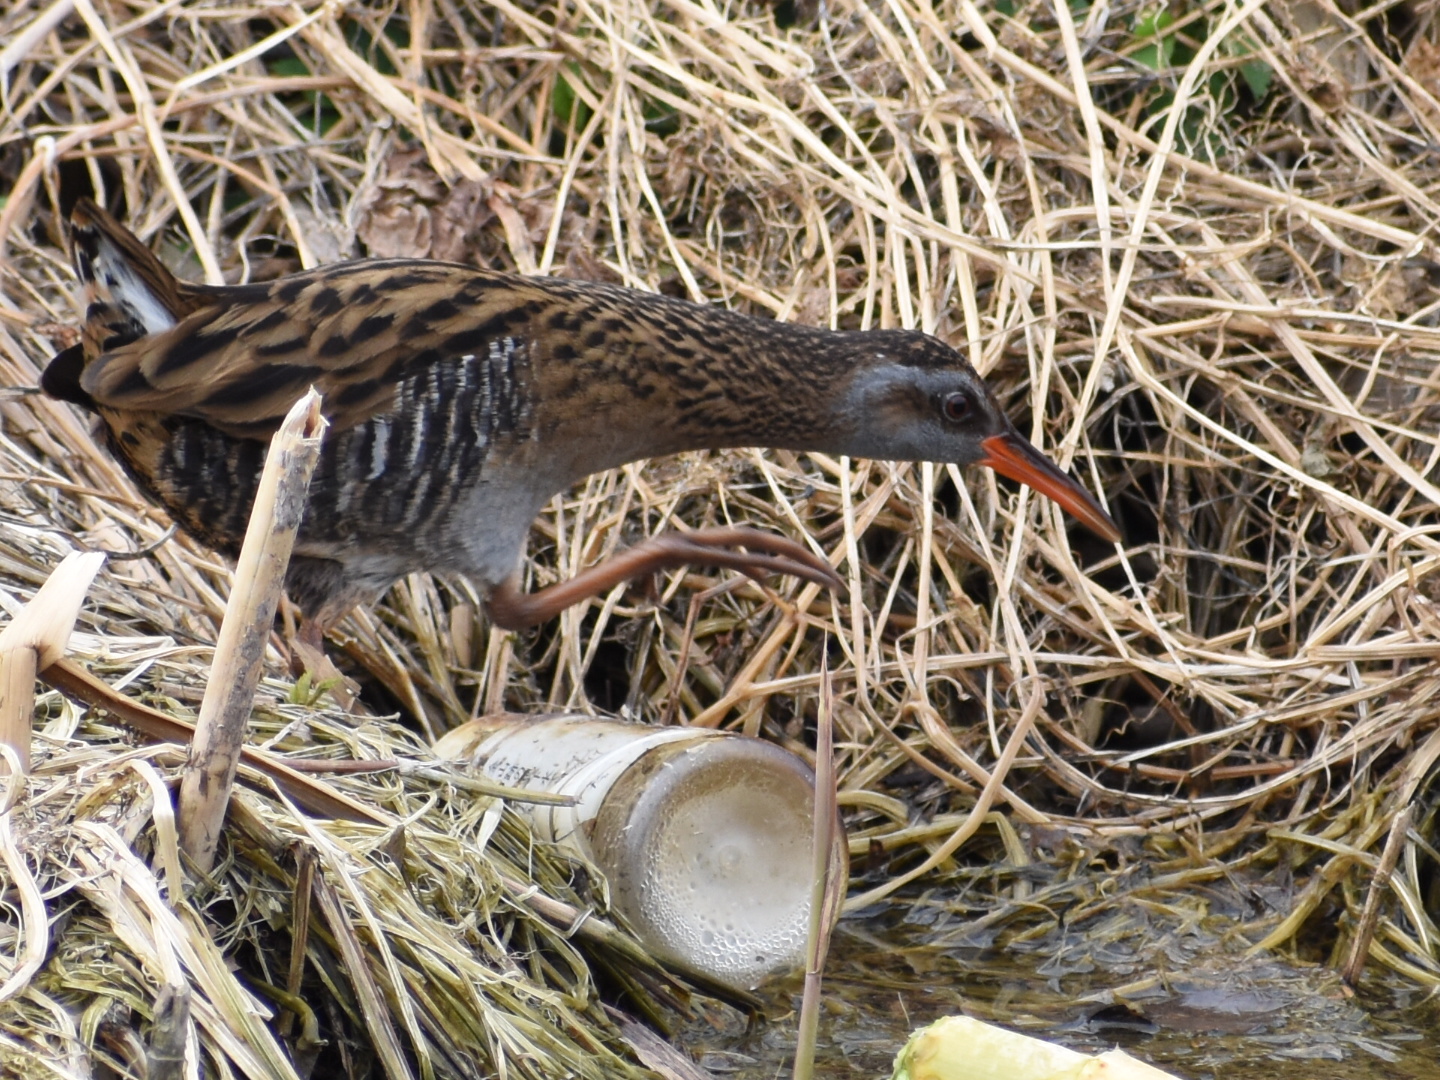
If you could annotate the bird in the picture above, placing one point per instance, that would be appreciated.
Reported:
(460, 400)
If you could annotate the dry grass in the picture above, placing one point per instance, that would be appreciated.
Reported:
(1215, 301)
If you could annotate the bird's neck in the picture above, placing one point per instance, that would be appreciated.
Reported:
(656, 377)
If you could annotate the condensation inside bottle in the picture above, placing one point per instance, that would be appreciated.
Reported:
(727, 864)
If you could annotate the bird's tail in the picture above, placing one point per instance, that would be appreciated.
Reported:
(128, 291)
(128, 294)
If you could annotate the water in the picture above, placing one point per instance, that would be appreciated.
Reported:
(1187, 1002)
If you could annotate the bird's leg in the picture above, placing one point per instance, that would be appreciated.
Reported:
(511, 609)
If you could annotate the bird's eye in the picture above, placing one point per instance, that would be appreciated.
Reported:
(956, 407)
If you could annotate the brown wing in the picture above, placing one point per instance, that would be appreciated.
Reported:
(353, 331)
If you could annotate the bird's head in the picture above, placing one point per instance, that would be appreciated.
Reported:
(911, 397)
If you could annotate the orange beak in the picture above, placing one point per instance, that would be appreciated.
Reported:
(1011, 455)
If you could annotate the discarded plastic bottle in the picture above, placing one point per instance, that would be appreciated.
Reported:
(704, 836)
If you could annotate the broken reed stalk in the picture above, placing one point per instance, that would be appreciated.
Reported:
(34, 640)
(249, 617)
(825, 896)
(1370, 914)
(17, 704)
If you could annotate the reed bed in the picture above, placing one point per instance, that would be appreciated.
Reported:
(1194, 251)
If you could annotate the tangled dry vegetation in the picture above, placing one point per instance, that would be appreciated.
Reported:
(1194, 251)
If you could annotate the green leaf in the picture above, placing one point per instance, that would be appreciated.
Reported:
(1258, 76)
(287, 67)
(565, 103)
(307, 692)
(660, 118)
(1161, 53)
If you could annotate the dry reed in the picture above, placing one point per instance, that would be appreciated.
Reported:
(1200, 265)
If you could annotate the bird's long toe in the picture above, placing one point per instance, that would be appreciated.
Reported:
(763, 554)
